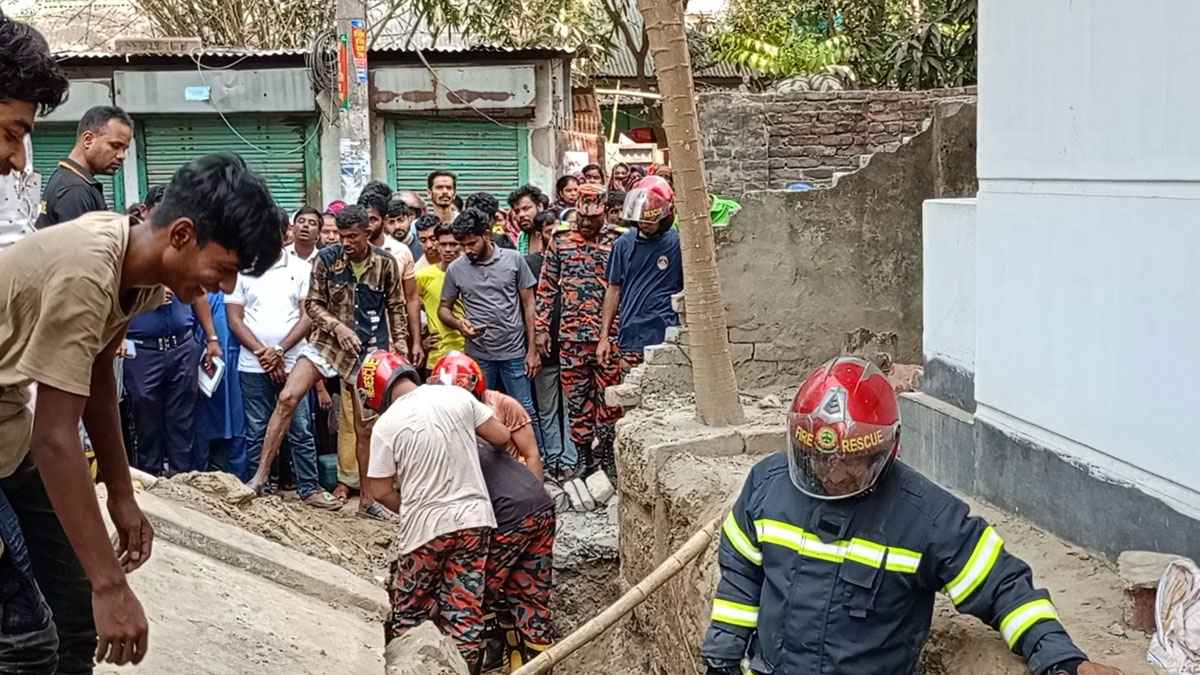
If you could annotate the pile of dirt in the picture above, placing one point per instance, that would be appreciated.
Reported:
(340, 537)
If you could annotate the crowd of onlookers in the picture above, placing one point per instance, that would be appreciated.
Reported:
(512, 284)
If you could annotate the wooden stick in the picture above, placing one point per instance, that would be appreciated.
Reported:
(589, 631)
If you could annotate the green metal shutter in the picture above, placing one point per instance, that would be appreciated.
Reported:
(279, 148)
(485, 156)
(52, 143)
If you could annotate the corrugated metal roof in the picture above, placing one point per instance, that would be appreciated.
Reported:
(215, 52)
(218, 52)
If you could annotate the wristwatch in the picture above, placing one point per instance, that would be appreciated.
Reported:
(278, 349)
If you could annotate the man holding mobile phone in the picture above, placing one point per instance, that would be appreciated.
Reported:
(496, 288)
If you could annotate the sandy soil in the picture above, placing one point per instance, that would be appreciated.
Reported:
(341, 537)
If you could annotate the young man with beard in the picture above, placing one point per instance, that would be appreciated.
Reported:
(216, 220)
(356, 303)
(442, 338)
(443, 188)
(486, 202)
(375, 199)
(305, 230)
(496, 288)
(402, 209)
(526, 203)
(425, 466)
(645, 270)
(573, 276)
(72, 190)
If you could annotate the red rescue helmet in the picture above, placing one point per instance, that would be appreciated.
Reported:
(651, 200)
(591, 199)
(843, 429)
(378, 374)
(458, 369)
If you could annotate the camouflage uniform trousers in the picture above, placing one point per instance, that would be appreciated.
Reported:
(520, 577)
(583, 381)
(630, 360)
(442, 581)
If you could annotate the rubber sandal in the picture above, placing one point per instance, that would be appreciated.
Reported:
(323, 500)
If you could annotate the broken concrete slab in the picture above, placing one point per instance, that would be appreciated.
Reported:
(424, 651)
(764, 440)
(624, 395)
(1141, 571)
(666, 355)
(285, 566)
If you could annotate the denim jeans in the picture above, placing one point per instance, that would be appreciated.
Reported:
(62, 592)
(509, 376)
(259, 396)
(559, 449)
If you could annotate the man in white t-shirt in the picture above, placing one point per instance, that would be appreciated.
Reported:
(424, 465)
(306, 229)
(264, 313)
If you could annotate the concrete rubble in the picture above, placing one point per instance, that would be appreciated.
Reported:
(423, 651)
(1141, 571)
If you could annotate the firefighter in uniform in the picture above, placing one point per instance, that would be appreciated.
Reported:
(833, 551)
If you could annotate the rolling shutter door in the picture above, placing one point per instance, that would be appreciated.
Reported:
(485, 156)
(52, 143)
(274, 147)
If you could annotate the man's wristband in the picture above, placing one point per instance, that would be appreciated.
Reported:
(214, 338)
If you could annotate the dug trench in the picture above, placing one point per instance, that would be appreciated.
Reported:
(676, 475)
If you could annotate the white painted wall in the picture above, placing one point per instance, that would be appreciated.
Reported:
(1087, 305)
(948, 293)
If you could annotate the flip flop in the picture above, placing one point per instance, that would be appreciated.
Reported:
(323, 500)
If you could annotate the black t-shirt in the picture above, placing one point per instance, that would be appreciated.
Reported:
(515, 493)
(535, 260)
(71, 192)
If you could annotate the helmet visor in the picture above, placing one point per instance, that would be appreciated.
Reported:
(830, 456)
(643, 206)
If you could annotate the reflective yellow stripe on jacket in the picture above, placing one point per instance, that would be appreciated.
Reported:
(862, 551)
(735, 613)
(978, 566)
(1016, 622)
(740, 542)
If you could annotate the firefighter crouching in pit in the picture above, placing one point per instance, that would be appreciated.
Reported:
(520, 559)
(833, 551)
(424, 466)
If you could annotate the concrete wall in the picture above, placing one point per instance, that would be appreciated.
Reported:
(948, 239)
(1083, 296)
(802, 270)
(767, 141)
(1086, 235)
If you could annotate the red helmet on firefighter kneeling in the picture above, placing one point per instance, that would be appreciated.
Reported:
(843, 429)
(458, 369)
(378, 374)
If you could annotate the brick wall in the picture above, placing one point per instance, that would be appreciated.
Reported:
(767, 141)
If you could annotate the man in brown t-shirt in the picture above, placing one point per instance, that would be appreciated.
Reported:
(68, 295)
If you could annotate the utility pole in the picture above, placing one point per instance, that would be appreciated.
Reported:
(353, 114)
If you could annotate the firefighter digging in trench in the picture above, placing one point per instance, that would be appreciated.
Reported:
(833, 551)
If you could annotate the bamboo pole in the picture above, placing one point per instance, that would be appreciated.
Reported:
(589, 631)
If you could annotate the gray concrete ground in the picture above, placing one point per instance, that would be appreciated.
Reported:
(207, 617)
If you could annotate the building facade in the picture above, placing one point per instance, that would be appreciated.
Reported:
(1059, 305)
(491, 115)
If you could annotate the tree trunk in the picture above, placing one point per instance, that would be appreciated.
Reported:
(717, 401)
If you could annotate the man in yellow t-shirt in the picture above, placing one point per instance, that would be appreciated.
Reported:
(442, 339)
